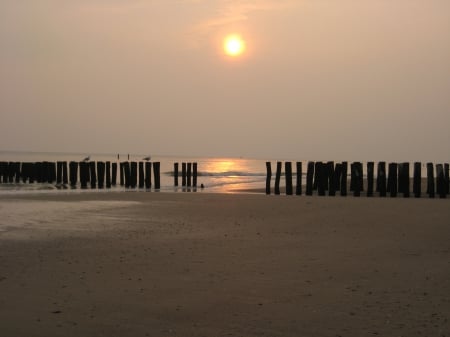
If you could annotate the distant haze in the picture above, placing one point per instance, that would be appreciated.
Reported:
(320, 79)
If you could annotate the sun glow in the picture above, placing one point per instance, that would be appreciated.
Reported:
(233, 45)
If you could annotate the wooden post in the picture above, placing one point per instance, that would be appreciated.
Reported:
(288, 177)
(430, 180)
(84, 174)
(194, 174)
(322, 178)
(156, 172)
(440, 181)
(148, 175)
(370, 178)
(189, 174)
(64, 173)
(183, 174)
(309, 178)
(337, 176)
(331, 179)
(122, 174)
(73, 171)
(392, 179)
(101, 174)
(278, 178)
(405, 178)
(381, 178)
(108, 174)
(175, 174)
(268, 177)
(316, 175)
(141, 174)
(126, 173)
(344, 174)
(134, 172)
(417, 185)
(447, 178)
(114, 174)
(59, 172)
(298, 187)
(93, 174)
(39, 172)
(356, 179)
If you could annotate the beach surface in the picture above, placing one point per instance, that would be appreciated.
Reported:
(199, 264)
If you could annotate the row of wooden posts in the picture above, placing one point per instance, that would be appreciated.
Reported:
(94, 174)
(330, 177)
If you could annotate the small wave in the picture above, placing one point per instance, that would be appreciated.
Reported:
(223, 174)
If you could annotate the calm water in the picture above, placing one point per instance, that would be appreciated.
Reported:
(219, 175)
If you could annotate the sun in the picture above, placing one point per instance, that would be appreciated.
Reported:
(233, 45)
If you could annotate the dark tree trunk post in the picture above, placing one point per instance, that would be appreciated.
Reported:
(337, 176)
(156, 172)
(183, 174)
(101, 174)
(309, 178)
(344, 173)
(298, 187)
(51, 172)
(430, 180)
(148, 175)
(406, 182)
(141, 174)
(122, 174)
(316, 175)
(392, 179)
(175, 174)
(268, 177)
(352, 177)
(84, 174)
(381, 178)
(331, 179)
(356, 178)
(194, 174)
(440, 181)
(127, 173)
(73, 171)
(114, 174)
(417, 185)
(322, 178)
(93, 174)
(108, 174)
(59, 172)
(134, 172)
(370, 175)
(288, 177)
(447, 178)
(189, 174)
(278, 178)
(64, 173)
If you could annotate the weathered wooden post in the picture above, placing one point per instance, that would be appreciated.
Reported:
(417, 185)
(141, 174)
(381, 178)
(440, 181)
(84, 174)
(316, 175)
(134, 171)
(93, 174)
(122, 174)
(392, 179)
(40, 172)
(322, 178)
(268, 177)
(430, 180)
(148, 175)
(331, 177)
(405, 180)
(73, 171)
(298, 187)
(156, 172)
(64, 173)
(278, 178)
(309, 178)
(108, 174)
(354, 182)
(189, 174)
(59, 172)
(114, 174)
(51, 172)
(194, 174)
(127, 173)
(288, 177)
(175, 174)
(370, 175)
(344, 173)
(447, 178)
(101, 174)
(337, 176)
(183, 174)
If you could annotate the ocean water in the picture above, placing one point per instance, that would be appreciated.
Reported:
(218, 175)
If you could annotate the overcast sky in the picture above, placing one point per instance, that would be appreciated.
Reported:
(320, 79)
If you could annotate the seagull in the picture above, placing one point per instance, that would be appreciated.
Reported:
(87, 158)
(146, 158)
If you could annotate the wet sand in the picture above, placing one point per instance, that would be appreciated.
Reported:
(198, 264)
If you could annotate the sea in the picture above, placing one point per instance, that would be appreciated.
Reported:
(217, 175)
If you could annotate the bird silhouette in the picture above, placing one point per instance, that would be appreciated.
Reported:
(146, 158)
(87, 158)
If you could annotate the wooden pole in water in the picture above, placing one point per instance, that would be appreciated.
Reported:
(93, 174)
(356, 179)
(59, 172)
(148, 175)
(405, 178)
(278, 178)
(189, 174)
(127, 173)
(114, 174)
(121, 174)
(417, 184)
(344, 173)
(73, 172)
(322, 178)
(316, 175)
(194, 174)
(175, 174)
(381, 178)
(440, 181)
(268, 176)
(370, 175)
(430, 180)
(101, 174)
(298, 187)
(84, 174)
(141, 174)
(134, 173)
(288, 177)
(337, 176)
(108, 174)
(183, 174)
(309, 178)
(331, 177)
(64, 173)
(156, 172)
(392, 179)
(447, 178)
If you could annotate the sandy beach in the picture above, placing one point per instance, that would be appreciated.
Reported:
(199, 264)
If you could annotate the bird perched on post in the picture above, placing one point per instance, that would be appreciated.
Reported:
(146, 158)
(87, 158)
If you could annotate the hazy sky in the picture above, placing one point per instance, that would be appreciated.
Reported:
(320, 79)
